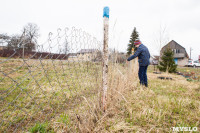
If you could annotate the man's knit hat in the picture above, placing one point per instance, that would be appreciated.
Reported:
(137, 42)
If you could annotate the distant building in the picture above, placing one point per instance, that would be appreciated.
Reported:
(180, 55)
(2, 47)
(72, 57)
(87, 54)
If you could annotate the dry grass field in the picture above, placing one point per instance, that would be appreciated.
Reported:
(60, 97)
(158, 108)
(45, 94)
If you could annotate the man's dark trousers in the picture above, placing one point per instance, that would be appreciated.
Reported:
(143, 75)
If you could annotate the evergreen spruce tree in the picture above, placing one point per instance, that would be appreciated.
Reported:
(134, 36)
(167, 62)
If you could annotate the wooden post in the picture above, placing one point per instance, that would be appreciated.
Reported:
(23, 43)
(105, 56)
(133, 67)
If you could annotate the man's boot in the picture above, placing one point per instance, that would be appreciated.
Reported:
(146, 85)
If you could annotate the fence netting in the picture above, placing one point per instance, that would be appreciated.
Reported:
(36, 86)
(57, 86)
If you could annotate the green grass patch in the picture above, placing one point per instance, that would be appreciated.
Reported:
(41, 128)
(64, 118)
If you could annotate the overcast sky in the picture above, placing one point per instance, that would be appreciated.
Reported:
(179, 18)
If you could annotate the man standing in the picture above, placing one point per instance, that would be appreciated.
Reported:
(143, 55)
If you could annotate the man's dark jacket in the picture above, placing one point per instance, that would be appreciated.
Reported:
(143, 55)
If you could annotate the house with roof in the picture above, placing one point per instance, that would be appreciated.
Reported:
(2, 47)
(180, 55)
(72, 57)
(87, 54)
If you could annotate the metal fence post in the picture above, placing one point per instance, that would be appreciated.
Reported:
(105, 56)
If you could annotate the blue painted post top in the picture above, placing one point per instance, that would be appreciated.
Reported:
(106, 12)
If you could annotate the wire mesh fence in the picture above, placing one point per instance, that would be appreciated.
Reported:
(51, 83)
(58, 86)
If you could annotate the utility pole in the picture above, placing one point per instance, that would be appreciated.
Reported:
(105, 56)
(23, 52)
(23, 43)
(191, 53)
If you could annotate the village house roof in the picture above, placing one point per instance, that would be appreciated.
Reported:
(174, 45)
(82, 51)
(171, 44)
(72, 54)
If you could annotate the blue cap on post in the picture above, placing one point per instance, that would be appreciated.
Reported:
(106, 12)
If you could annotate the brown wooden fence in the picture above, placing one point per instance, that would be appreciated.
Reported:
(31, 54)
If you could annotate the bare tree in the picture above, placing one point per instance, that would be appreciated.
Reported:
(27, 40)
(162, 37)
(31, 34)
(4, 36)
